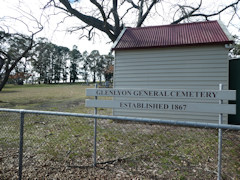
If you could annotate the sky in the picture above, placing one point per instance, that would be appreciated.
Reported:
(55, 31)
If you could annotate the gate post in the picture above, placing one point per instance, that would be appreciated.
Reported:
(220, 140)
(95, 136)
(21, 145)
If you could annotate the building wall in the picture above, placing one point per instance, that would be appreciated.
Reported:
(202, 67)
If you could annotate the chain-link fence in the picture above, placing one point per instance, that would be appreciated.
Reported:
(61, 146)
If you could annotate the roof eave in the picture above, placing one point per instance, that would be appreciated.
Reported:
(181, 45)
(225, 30)
(118, 39)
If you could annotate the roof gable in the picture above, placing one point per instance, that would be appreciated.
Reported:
(209, 32)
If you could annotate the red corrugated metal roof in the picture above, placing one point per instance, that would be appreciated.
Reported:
(209, 32)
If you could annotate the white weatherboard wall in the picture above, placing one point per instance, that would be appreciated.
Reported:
(196, 68)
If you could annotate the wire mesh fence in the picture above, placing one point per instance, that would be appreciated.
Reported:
(9, 144)
(61, 147)
(167, 152)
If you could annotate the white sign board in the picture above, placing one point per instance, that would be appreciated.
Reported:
(164, 106)
(165, 93)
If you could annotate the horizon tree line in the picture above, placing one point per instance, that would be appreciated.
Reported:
(49, 63)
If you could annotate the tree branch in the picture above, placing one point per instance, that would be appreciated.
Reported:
(140, 13)
(185, 14)
(143, 17)
(126, 12)
(133, 4)
(116, 17)
(206, 16)
(23, 54)
(96, 23)
(2, 60)
(106, 24)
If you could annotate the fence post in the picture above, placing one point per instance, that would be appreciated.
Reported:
(21, 145)
(95, 136)
(220, 140)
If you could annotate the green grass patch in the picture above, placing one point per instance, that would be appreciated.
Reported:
(142, 150)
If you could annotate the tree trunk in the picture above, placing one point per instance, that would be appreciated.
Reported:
(94, 77)
(1, 62)
(5, 79)
(100, 79)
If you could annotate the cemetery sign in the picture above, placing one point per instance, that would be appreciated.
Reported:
(143, 104)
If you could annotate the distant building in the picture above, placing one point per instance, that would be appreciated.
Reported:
(183, 56)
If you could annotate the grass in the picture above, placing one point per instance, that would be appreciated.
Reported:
(55, 144)
(41, 96)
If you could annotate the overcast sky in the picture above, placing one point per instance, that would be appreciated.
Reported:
(55, 31)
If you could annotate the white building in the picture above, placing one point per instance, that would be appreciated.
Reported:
(185, 56)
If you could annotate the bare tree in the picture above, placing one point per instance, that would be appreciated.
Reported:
(105, 15)
(110, 17)
(15, 46)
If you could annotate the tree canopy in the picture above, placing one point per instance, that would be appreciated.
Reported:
(21, 57)
(110, 17)
(13, 48)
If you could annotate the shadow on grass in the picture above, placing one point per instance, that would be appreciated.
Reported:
(7, 92)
